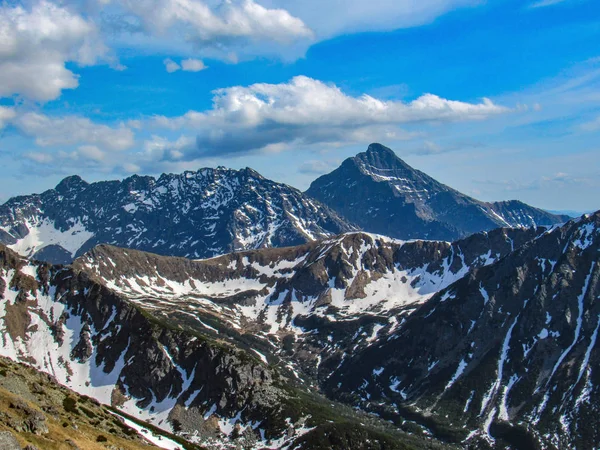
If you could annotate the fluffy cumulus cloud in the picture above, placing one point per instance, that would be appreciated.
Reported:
(208, 21)
(171, 66)
(302, 113)
(159, 148)
(35, 45)
(307, 112)
(74, 130)
(192, 65)
(222, 29)
(39, 38)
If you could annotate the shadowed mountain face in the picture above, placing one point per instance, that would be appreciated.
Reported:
(508, 355)
(208, 389)
(194, 214)
(487, 341)
(382, 194)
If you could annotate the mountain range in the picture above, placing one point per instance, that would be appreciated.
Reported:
(194, 214)
(382, 194)
(487, 342)
(507, 353)
(167, 372)
(297, 329)
(215, 211)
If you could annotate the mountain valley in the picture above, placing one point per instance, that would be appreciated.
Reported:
(217, 309)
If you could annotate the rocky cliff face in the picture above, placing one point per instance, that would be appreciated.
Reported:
(194, 214)
(205, 389)
(102, 346)
(308, 307)
(382, 194)
(487, 341)
(506, 357)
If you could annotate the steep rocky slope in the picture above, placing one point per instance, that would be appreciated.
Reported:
(304, 307)
(506, 356)
(37, 413)
(489, 341)
(206, 390)
(194, 214)
(382, 194)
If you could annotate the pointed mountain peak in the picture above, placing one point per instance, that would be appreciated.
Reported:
(379, 158)
(381, 150)
(72, 183)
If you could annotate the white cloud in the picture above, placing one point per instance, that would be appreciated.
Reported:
(39, 37)
(171, 66)
(131, 168)
(232, 29)
(187, 65)
(302, 114)
(35, 45)
(91, 152)
(73, 130)
(159, 148)
(192, 65)
(306, 112)
(39, 157)
(200, 21)
(6, 115)
(317, 167)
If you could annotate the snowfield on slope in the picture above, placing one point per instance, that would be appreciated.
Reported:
(268, 295)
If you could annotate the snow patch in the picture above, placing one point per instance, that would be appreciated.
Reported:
(45, 233)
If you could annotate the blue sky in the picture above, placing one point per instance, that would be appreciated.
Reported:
(499, 99)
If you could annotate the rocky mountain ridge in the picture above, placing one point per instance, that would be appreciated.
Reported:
(216, 211)
(206, 390)
(506, 357)
(305, 307)
(382, 194)
(193, 214)
(488, 341)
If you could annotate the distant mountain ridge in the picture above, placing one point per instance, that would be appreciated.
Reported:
(382, 194)
(212, 212)
(193, 214)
